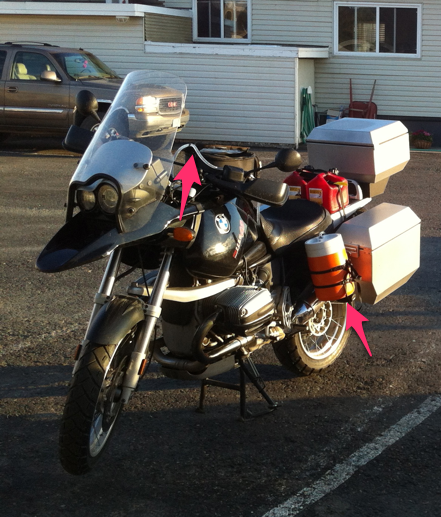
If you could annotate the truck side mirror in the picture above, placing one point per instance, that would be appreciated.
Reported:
(49, 75)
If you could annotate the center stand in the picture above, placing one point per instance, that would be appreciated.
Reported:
(245, 370)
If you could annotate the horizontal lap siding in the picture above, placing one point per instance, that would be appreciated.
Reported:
(119, 45)
(160, 28)
(178, 4)
(231, 98)
(405, 86)
(291, 22)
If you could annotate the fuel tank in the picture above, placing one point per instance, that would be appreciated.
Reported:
(224, 235)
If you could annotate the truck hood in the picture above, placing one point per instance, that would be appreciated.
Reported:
(104, 84)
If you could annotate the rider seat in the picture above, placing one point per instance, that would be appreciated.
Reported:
(296, 221)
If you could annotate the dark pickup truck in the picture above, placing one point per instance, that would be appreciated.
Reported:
(39, 84)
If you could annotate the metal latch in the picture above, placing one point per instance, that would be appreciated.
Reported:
(353, 250)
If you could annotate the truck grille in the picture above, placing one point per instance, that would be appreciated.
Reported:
(170, 105)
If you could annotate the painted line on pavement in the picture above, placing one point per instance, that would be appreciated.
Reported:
(343, 471)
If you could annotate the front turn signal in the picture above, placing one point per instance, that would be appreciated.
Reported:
(183, 234)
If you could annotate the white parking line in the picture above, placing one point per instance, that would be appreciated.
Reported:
(343, 471)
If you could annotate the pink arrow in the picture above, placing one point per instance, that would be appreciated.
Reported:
(188, 175)
(355, 319)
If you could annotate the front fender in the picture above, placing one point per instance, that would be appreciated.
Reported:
(115, 320)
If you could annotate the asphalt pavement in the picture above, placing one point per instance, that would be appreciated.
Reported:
(360, 439)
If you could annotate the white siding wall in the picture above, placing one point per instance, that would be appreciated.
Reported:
(292, 22)
(405, 86)
(232, 98)
(119, 45)
(178, 4)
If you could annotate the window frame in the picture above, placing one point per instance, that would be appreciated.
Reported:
(222, 39)
(377, 53)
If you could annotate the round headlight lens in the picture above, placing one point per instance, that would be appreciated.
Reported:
(86, 199)
(108, 198)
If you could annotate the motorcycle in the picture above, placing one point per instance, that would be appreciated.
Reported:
(214, 286)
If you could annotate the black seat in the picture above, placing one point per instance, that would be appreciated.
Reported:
(296, 221)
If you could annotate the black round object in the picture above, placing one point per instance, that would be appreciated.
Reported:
(86, 102)
(288, 160)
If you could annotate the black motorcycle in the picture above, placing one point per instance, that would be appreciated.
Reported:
(214, 286)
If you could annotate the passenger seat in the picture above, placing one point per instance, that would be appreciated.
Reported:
(21, 72)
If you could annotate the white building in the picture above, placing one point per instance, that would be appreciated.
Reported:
(245, 61)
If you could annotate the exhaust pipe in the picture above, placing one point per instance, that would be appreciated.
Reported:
(307, 307)
(175, 363)
(220, 351)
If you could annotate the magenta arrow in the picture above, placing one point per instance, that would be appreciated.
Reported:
(188, 175)
(355, 319)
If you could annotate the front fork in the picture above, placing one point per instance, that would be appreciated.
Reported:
(152, 311)
(101, 297)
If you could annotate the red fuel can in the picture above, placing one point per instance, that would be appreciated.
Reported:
(297, 182)
(329, 190)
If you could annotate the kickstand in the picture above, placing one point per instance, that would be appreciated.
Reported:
(251, 372)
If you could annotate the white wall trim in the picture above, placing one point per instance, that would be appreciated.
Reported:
(83, 9)
(236, 50)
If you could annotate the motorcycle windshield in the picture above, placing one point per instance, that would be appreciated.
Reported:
(128, 164)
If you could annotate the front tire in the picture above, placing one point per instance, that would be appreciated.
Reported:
(319, 345)
(93, 404)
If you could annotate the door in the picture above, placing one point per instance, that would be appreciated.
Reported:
(31, 102)
(3, 55)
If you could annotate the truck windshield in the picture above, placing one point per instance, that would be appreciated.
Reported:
(84, 66)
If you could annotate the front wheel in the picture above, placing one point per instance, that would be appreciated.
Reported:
(319, 345)
(93, 404)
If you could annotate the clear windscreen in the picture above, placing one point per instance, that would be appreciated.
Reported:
(132, 147)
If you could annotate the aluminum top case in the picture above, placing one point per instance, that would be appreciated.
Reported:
(365, 150)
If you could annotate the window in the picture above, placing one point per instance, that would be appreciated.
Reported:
(225, 20)
(29, 65)
(2, 61)
(84, 66)
(378, 28)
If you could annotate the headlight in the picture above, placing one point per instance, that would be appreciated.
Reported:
(147, 104)
(86, 199)
(108, 198)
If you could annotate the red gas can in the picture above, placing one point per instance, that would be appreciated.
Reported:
(328, 190)
(297, 182)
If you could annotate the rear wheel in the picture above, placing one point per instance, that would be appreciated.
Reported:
(319, 345)
(93, 404)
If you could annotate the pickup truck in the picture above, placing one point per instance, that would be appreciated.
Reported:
(39, 84)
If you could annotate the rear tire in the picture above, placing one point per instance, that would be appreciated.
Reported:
(320, 345)
(93, 404)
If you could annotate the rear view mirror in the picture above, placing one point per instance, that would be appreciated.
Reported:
(288, 160)
(50, 75)
(87, 104)
(77, 139)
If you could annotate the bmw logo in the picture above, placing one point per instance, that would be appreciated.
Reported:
(222, 223)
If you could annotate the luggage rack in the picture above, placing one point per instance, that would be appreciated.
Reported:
(339, 217)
